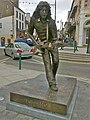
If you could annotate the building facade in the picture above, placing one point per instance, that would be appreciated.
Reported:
(78, 21)
(12, 20)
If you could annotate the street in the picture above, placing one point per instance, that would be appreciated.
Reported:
(27, 92)
(78, 70)
(10, 75)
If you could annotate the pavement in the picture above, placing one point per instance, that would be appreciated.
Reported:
(81, 50)
(10, 74)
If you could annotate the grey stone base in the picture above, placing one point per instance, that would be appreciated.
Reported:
(41, 114)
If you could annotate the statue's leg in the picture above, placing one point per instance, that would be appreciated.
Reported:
(55, 60)
(48, 69)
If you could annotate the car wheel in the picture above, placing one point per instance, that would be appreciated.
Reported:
(5, 53)
(13, 56)
(30, 57)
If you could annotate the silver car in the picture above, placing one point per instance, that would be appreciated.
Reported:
(13, 50)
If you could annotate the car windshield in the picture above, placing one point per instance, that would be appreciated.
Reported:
(23, 46)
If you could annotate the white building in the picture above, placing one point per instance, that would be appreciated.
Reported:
(78, 22)
(11, 21)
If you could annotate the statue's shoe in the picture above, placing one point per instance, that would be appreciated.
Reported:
(53, 87)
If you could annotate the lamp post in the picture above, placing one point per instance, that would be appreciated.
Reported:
(88, 41)
(55, 10)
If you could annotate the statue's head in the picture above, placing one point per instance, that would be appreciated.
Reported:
(42, 10)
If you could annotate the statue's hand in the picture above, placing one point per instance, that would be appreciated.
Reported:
(38, 46)
(54, 44)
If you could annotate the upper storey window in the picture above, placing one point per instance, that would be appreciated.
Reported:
(19, 16)
(16, 14)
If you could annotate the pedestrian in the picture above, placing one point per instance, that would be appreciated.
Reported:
(61, 43)
(75, 46)
(71, 41)
(47, 32)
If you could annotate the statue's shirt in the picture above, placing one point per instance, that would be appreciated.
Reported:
(41, 29)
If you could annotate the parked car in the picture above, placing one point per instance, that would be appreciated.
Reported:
(13, 50)
(28, 41)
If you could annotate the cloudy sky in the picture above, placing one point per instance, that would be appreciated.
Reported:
(62, 8)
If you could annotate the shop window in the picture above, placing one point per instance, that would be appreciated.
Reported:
(8, 41)
(87, 31)
(2, 41)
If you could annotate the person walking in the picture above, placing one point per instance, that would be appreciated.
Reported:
(61, 43)
(75, 46)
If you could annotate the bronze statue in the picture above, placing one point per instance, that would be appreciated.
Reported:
(47, 32)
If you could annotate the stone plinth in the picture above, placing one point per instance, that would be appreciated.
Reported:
(35, 93)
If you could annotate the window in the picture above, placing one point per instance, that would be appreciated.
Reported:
(19, 25)
(0, 25)
(22, 26)
(20, 16)
(16, 24)
(16, 14)
(87, 33)
(0, 15)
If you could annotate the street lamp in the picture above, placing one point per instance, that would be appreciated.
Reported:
(88, 41)
(55, 10)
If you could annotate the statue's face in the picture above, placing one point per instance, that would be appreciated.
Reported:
(43, 12)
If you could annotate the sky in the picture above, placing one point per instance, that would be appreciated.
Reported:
(62, 8)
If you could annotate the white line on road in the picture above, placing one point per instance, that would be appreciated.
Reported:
(75, 62)
(38, 61)
(3, 60)
(34, 61)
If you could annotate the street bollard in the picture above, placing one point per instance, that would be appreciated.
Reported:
(19, 51)
(19, 61)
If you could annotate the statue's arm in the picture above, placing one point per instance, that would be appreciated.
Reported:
(53, 30)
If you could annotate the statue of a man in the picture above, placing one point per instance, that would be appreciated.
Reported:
(47, 32)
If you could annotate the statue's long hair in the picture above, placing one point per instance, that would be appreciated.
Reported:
(36, 13)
